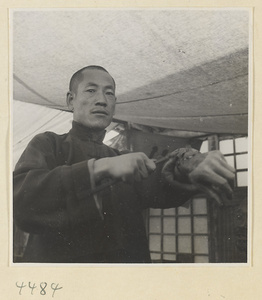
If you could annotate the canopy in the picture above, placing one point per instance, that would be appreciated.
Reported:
(31, 119)
(183, 69)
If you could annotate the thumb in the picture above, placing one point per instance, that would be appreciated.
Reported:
(150, 164)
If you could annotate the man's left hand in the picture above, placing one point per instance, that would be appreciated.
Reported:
(208, 172)
(214, 176)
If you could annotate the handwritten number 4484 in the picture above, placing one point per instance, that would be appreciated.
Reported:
(43, 285)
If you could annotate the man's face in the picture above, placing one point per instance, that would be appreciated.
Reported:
(93, 99)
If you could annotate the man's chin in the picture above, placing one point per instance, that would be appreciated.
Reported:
(96, 125)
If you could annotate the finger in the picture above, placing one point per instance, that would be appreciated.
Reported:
(219, 157)
(210, 193)
(142, 170)
(214, 179)
(150, 165)
(225, 164)
(137, 176)
(223, 171)
(222, 194)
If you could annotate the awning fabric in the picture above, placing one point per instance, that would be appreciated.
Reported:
(180, 69)
(31, 119)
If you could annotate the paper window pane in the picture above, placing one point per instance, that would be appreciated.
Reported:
(184, 225)
(155, 256)
(184, 210)
(155, 243)
(226, 146)
(169, 212)
(201, 259)
(242, 179)
(169, 225)
(169, 256)
(200, 206)
(242, 161)
(169, 243)
(201, 244)
(184, 244)
(155, 212)
(230, 160)
(200, 225)
(204, 147)
(155, 225)
(241, 144)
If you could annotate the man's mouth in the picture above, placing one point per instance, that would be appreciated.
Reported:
(100, 112)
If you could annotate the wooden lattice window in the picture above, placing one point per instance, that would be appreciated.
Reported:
(186, 234)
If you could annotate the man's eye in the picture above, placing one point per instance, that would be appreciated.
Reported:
(90, 90)
(110, 93)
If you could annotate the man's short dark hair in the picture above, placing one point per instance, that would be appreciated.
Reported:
(78, 76)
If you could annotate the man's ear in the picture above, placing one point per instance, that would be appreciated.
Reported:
(69, 100)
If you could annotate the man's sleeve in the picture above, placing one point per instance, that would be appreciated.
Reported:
(49, 197)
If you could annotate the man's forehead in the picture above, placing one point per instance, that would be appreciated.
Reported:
(97, 76)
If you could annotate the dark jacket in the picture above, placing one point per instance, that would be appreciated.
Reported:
(53, 202)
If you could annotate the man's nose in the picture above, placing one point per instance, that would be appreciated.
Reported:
(101, 99)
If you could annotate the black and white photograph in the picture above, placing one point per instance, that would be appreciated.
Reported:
(131, 136)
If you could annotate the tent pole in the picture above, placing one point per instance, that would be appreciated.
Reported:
(213, 142)
(128, 136)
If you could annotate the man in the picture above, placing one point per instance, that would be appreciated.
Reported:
(57, 176)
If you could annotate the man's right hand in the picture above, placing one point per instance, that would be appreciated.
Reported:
(127, 167)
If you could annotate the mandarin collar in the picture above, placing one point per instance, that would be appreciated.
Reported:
(86, 134)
